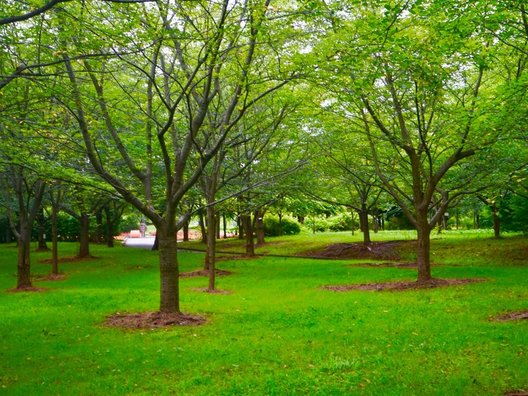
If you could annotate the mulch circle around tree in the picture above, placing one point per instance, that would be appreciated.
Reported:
(398, 286)
(519, 315)
(204, 272)
(31, 289)
(73, 259)
(517, 392)
(386, 265)
(153, 320)
(390, 250)
(215, 291)
(51, 277)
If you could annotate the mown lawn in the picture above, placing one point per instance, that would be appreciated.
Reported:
(278, 333)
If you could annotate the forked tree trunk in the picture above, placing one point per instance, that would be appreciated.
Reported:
(169, 272)
(84, 236)
(423, 250)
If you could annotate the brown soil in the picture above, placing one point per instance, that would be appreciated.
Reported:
(376, 250)
(520, 315)
(73, 259)
(31, 289)
(397, 286)
(386, 265)
(518, 392)
(50, 277)
(215, 291)
(204, 272)
(153, 320)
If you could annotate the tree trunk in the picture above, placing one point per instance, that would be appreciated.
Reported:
(41, 229)
(186, 231)
(24, 265)
(202, 226)
(54, 240)
(423, 249)
(363, 222)
(84, 236)
(224, 224)
(259, 227)
(100, 229)
(496, 221)
(211, 246)
(240, 224)
(169, 282)
(248, 230)
(109, 228)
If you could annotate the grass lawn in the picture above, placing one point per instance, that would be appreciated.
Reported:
(278, 333)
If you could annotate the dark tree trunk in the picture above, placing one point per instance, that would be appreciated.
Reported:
(84, 236)
(423, 250)
(109, 231)
(240, 224)
(41, 230)
(363, 221)
(496, 221)
(211, 246)
(24, 265)
(100, 229)
(186, 231)
(280, 224)
(248, 231)
(54, 240)
(259, 227)
(169, 272)
(224, 224)
(203, 230)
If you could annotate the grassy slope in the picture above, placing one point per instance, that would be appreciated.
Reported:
(278, 333)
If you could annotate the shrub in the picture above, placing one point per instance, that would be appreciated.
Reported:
(286, 226)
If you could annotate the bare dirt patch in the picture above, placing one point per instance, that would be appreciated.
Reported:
(204, 272)
(51, 277)
(517, 392)
(519, 315)
(153, 320)
(391, 250)
(73, 259)
(215, 291)
(398, 286)
(386, 265)
(30, 289)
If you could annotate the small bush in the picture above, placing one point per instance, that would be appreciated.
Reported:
(286, 226)
(340, 222)
(317, 224)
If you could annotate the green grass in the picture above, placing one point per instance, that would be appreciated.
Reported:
(278, 333)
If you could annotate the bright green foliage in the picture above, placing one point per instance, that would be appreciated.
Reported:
(273, 226)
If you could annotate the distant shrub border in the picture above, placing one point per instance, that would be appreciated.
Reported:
(285, 226)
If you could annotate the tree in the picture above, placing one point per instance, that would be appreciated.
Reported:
(421, 107)
(188, 56)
